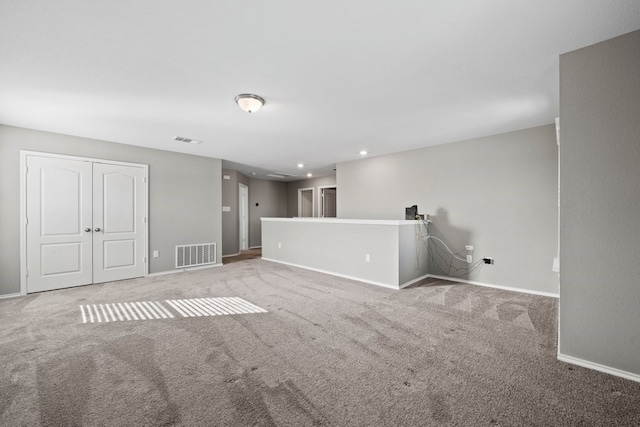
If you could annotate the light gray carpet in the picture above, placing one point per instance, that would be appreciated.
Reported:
(329, 352)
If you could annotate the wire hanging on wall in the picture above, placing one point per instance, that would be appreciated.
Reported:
(443, 258)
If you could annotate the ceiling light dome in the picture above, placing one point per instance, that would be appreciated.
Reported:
(249, 102)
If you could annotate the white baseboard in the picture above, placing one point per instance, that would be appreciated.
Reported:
(10, 296)
(255, 247)
(490, 285)
(411, 282)
(598, 367)
(182, 270)
(331, 273)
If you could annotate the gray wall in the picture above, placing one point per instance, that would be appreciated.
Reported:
(600, 203)
(271, 197)
(292, 192)
(184, 195)
(230, 236)
(341, 247)
(497, 193)
(231, 218)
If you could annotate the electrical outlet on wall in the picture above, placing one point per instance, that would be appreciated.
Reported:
(468, 248)
(156, 253)
(469, 259)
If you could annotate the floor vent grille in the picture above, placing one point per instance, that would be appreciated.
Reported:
(195, 255)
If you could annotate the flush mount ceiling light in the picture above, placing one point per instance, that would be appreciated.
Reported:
(249, 102)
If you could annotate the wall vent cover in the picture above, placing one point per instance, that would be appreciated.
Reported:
(195, 255)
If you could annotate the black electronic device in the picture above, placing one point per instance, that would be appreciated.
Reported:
(411, 212)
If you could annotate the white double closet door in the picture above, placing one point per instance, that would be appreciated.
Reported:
(85, 222)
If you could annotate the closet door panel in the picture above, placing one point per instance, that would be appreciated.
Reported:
(59, 213)
(119, 222)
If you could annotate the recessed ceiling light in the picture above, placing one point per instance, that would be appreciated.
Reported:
(363, 153)
(300, 165)
(309, 174)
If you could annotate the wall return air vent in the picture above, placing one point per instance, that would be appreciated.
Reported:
(195, 255)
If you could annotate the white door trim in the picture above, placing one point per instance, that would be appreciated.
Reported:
(23, 205)
(243, 229)
(23, 221)
(321, 189)
(313, 200)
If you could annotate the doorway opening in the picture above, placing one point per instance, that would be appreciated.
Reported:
(244, 217)
(327, 201)
(305, 202)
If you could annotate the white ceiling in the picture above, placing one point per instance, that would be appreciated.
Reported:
(337, 76)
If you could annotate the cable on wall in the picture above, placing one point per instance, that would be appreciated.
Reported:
(442, 257)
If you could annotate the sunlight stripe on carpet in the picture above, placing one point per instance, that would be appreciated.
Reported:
(119, 312)
(155, 310)
(198, 307)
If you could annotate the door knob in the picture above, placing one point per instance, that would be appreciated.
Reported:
(97, 229)
(87, 229)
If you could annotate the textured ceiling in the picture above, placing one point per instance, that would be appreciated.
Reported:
(337, 76)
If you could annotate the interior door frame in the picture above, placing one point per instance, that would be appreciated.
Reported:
(321, 189)
(243, 207)
(313, 201)
(23, 205)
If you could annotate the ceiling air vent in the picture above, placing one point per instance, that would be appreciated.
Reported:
(187, 140)
(281, 175)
